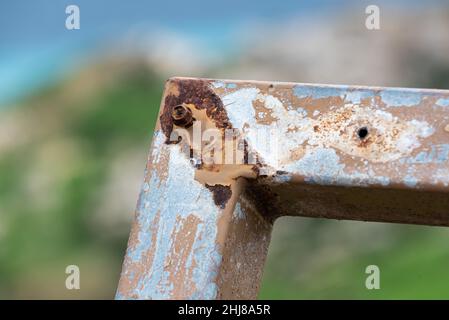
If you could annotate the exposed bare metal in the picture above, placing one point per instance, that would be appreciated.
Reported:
(202, 228)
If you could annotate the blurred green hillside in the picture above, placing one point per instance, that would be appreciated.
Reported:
(71, 162)
(63, 173)
(326, 259)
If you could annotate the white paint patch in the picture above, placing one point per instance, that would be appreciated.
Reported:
(238, 213)
(158, 140)
(323, 166)
(275, 142)
(174, 199)
(293, 138)
(441, 176)
(442, 102)
(218, 84)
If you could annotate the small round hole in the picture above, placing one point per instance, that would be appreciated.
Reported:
(362, 132)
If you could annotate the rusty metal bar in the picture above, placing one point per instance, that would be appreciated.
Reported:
(229, 157)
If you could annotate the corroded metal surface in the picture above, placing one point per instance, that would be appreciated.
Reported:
(205, 212)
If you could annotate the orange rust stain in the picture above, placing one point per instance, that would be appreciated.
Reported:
(244, 253)
(297, 153)
(292, 129)
(176, 263)
(266, 117)
(196, 92)
(138, 269)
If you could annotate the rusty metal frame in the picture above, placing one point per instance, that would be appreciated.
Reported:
(202, 228)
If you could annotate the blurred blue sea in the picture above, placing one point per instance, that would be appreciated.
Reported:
(35, 47)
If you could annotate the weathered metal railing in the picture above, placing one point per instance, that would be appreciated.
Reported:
(229, 157)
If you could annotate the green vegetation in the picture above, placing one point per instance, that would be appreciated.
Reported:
(62, 187)
(51, 184)
(413, 265)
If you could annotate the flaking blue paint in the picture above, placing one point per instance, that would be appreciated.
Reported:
(400, 97)
(443, 102)
(438, 153)
(238, 212)
(354, 96)
(282, 178)
(302, 91)
(147, 203)
(171, 198)
(323, 166)
(410, 181)
(218, 84)
(320, 165)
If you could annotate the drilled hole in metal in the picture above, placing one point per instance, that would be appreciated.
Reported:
(362, 132)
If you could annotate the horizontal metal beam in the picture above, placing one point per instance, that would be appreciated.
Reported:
(229, 157)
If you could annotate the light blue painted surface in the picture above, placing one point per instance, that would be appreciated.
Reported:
(399, 97)
(163, 205)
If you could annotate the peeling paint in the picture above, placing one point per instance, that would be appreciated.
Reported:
(202, 230)
(438, 153)
(350, 95)
(443, 102)
(299, 137)
(238, 212)
(400, 97)
(304, 91)
(177, 197)
(410, 181)
(323, 166)
(221, 194)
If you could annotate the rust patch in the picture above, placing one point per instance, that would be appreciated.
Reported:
(221, 194)
(264, 199)
(177, 262)
(251, 197)
(182, 116)
(195, 92)
(244, 253)
(134, 272)
(364, 143)
(263, 114)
